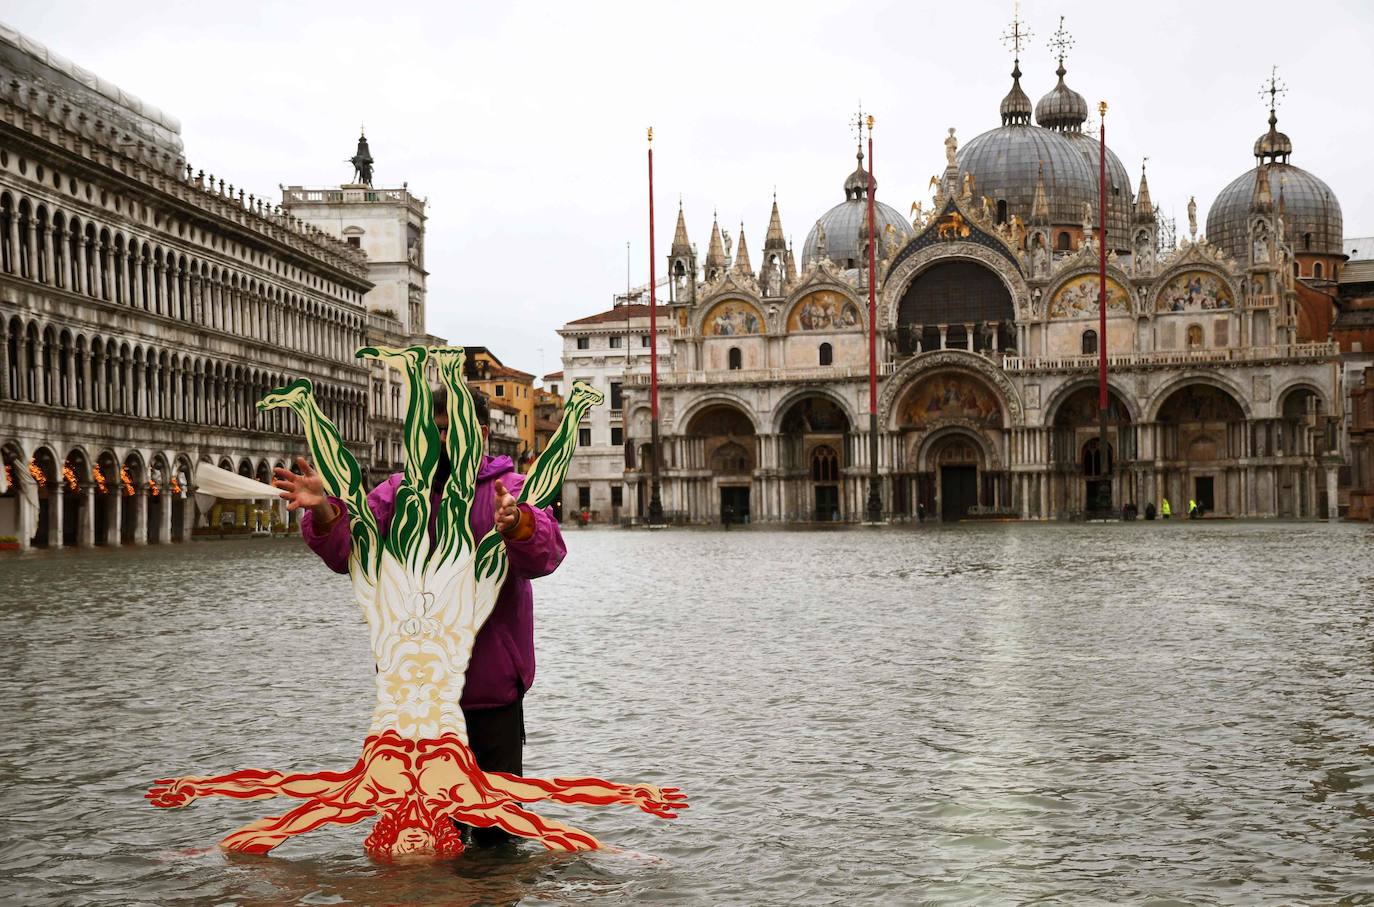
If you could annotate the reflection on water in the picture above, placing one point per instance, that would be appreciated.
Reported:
(1147, 712)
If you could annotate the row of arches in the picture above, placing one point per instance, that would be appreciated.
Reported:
(55, 248)
(950, 450)
(104, 499)
(49, 365)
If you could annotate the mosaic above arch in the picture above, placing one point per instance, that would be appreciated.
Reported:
(733, 318)
(824, 310)
(950, 396)
(1194, 291)
(1077, 298)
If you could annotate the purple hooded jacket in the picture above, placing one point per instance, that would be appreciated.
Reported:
(502, 666)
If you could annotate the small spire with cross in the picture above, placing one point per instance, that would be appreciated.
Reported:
(1061, 42)
(1275, 88)
(1017, 35)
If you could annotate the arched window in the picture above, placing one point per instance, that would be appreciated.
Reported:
(736, 359)
(1001, 210)
(1089, 343)
(1194, 336)
(1062, 244)
(825, 464)
(1306, 241)
(827, 354)
(1317, 270)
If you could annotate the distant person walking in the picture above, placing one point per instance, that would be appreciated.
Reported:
(1164, 510)
(1193, 511)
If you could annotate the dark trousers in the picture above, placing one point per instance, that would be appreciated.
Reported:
(496, 738)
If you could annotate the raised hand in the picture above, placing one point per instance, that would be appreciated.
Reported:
(507, 514)
(303, 490)
(659, 801)
(172, 793)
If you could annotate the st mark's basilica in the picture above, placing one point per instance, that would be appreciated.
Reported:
(1225, 386)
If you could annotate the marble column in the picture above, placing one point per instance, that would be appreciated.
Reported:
(139, 502)
(1332, 501)
(55, 490)
(85, 534)
(164, 513)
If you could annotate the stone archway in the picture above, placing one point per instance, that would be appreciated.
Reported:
(722, 447)
(46, 474)
(1085, 479)
(1201, 442)
(815, 445)
(933, 407)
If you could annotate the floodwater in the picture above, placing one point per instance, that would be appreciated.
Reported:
(1146, 713)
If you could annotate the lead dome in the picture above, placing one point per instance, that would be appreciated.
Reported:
(1311, 214)
(846, 224)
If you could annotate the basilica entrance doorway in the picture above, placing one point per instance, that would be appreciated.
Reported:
(1203, 493)
(958, 492)
(827, 503)
(734, 504)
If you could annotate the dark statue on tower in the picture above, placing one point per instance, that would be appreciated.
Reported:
(362, 162)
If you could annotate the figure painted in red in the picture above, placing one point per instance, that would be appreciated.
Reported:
(417, 788)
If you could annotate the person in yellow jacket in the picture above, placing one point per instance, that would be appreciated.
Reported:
(1164, 511)
(1193, 512)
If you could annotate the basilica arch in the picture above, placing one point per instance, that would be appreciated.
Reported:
(949, 415)
(910, 267)
(718, 455)
(814, 449)
(1083, 477)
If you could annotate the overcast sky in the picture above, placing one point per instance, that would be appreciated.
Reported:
(523, 123)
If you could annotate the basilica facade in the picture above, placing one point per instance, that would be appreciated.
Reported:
(146, 307)
(1224, 382)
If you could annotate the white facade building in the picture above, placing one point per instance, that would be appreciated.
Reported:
(602, 350)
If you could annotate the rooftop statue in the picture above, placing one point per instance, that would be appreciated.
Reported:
(424, 604)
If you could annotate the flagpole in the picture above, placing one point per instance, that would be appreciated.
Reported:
(655, 501)
(875, 500)
(1104, 496)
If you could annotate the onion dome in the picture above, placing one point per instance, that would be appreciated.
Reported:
(855, 183)
(1273, 145)
(1016, 106)
(1311, 214)
(845, 226)
(1063, 109)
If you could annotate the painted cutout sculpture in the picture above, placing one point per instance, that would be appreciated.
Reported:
(424, 605)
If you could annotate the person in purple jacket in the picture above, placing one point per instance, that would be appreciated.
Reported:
(502, 666)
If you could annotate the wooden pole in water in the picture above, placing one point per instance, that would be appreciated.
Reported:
(655, 501)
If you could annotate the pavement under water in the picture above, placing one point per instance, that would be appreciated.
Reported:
(1154, 713)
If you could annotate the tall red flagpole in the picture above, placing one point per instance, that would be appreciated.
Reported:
(655, 501)
(1104, 495)
(875, 500)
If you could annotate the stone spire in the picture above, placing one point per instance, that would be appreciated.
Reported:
(1040, 208)
(791, 265)
(1144, 210)
(715, 251)
(742, 265)
(681, 245)
(1263, 200)
(774, 241)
